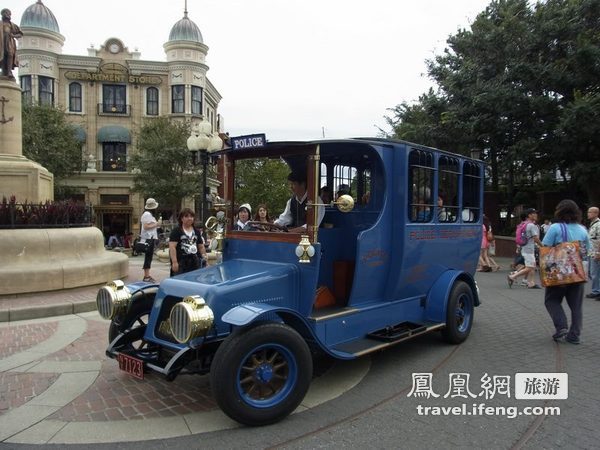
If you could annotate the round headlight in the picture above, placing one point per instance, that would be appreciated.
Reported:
(190, 318)
(112, 299)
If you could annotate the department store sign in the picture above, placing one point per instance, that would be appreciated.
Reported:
(114, 73)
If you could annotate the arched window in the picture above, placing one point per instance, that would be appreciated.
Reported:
(152, 101)
(420, 185)
(75, 97)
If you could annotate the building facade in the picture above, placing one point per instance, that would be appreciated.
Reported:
(108, 94)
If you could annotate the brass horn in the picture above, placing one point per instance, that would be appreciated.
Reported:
(344, 203)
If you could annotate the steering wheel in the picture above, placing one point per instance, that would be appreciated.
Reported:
(262, 225)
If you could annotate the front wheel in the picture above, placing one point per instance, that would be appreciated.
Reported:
(135, 319)
(459, 313)
(260, 375)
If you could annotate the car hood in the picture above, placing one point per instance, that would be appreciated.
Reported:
(236, 282)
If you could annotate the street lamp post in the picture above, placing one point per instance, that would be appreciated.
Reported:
(202, 142)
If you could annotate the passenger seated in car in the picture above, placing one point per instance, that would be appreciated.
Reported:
(421, 208)
(444, 215)
(244, 213)
(325, 194)
(294, 215)
(343, 189)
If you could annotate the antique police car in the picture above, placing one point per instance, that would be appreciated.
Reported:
(390, 260)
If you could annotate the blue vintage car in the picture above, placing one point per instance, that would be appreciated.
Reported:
(392, 257)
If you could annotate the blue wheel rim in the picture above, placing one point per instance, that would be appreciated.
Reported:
(463, 313)
(266, 375)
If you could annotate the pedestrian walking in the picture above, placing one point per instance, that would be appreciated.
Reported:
(567, 213)
(149, 234)
(532, 233)
(594, 258)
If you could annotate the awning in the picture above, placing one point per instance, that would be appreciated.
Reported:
(114, 133)
(80, 134)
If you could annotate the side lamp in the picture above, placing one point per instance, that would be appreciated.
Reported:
(305, 250)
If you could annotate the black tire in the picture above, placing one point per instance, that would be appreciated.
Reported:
(459, 313)
(136, 317)
(260, 375)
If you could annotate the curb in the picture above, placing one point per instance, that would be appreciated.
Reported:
(42, 311)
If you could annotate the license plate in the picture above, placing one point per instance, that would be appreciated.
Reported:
(131, 365)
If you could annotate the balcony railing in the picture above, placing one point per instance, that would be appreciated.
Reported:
(113, 110)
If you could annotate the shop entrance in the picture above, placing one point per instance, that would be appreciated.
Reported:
(114, 220)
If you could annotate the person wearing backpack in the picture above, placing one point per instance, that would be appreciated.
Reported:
(527, 236)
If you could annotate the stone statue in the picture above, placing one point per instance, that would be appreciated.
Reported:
(8, 45)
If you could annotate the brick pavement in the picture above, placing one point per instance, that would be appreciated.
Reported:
(20, 337)
(16, 389)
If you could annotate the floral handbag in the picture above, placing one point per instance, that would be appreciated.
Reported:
(562, 264)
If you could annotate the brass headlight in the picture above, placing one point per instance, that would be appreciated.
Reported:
(112, 299)
(190, 318)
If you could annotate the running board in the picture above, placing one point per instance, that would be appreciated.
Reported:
(397, 332)
(379, 340)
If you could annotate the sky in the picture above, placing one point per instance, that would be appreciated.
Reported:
(292, 69)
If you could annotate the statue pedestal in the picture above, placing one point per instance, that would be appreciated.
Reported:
(25, 179)
(19, 176)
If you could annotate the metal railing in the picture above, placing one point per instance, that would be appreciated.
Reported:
(105, 109)
(67, 214)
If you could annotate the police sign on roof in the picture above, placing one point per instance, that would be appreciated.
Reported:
(249, 141)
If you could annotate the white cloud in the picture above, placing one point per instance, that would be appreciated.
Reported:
(286, 67)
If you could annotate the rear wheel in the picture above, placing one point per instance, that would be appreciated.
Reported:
(260, 375)
(459, 313)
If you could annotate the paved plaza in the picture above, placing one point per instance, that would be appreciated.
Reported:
(57, 386)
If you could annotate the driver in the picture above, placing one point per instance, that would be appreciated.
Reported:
(294, 215)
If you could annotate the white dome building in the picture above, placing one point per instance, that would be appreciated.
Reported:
(107, 94)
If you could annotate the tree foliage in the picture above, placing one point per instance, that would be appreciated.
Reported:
(50, 140)
(522, 84)
(162, 166)
(262, 180)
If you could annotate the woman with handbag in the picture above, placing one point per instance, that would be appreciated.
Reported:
(148, 235)
(566, 229)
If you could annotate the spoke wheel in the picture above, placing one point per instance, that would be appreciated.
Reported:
(267, 374)
(261, 375)
(135, 319)
(459, 315)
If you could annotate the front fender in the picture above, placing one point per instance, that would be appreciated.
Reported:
(437, 299)
(245, 314)
(140, 286)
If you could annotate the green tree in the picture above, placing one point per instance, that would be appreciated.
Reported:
(517, 85)
(569, 65)
(50, 140)
(162, 166)
(579, 129)
(262, 180)
(428, 122)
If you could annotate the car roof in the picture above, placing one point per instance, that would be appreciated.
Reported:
(273, 148)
